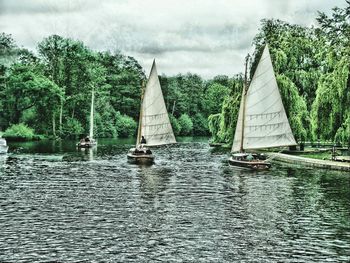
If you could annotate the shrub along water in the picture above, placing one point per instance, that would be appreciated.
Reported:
(19, 132)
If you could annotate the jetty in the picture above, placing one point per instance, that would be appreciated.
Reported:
(310, 162)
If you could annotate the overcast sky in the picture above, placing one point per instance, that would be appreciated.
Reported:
(208, 37)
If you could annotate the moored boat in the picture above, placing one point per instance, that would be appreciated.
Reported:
(256, 161)
(262, 121)
(3, 146)
(89, 141)
(86, 143)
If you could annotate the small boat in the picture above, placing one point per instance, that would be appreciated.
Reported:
(140, 155)
(86, 143)
(3, 146)
(89, 141)
(154, 127)
(256, 161)
(262, 121)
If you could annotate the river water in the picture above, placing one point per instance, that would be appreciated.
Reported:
(59, 204)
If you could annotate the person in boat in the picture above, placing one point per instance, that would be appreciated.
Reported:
(87, 139)
(141, 149)
(250, 157)
(142, 142)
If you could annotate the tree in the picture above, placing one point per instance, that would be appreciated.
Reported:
(186, 124)
(25, 90)
(215, 95)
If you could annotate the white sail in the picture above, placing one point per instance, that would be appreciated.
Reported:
(265, 121)
(155, 123)
(91, 133)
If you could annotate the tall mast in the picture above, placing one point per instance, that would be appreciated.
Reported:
(91, 133)
(140, 117)
(245, 89)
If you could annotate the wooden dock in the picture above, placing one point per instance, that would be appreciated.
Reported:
(310, 162)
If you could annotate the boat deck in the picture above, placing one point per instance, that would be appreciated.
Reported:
(326, 164)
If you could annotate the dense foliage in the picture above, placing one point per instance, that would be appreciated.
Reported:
(312, 67)
(50, 91)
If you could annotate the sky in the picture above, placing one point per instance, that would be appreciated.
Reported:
(207, 37)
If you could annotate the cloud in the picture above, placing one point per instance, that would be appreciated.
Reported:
(201, 36)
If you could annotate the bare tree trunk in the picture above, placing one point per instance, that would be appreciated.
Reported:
(61, 116)
(53, 124)
(173, 108)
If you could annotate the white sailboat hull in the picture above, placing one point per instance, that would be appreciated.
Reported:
(3, 149)
(240, 159)
(140, 156)
(89, 144)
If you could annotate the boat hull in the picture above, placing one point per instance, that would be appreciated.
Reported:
(3, 149)
(213, 144)
(86, 144)
(253, 164)
(140, 158)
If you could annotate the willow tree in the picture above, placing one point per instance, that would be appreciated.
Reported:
(331, 110)
(222, 126)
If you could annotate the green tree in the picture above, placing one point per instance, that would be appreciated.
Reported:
(214, 98)
(126, 126)
(186, 125)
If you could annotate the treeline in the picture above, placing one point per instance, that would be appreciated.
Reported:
(312, 67)
(48, 92)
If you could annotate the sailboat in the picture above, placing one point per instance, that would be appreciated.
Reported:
(3, 146)
(89, 141)
(262, 121)
(154, 127)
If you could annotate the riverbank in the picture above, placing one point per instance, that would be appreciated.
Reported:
(310, 162)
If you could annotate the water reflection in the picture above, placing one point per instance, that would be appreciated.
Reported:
(153, 181)
(88, 153)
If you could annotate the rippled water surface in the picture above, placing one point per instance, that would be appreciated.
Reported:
(64, 205)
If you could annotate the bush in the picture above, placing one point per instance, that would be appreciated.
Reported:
(186, 124)
(19, 132)
(175, 124)
(125, 125)
(200, 125)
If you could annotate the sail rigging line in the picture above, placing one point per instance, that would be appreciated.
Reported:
(154, 101)
(270, 132)
(160, 134)
(275, 155)
(251, 106)
(263, 86)
(273, 104)
(264, 124)
(262, 73)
